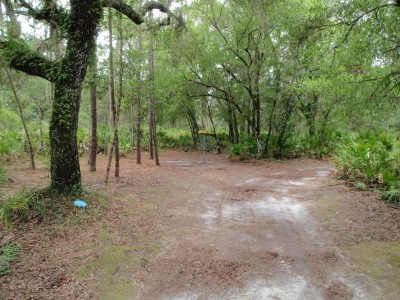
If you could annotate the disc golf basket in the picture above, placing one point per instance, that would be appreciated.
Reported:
(205, 144)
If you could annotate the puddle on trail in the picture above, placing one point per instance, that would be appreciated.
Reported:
(181, 163)
(291, 287)
(191, 163)
(285, 208)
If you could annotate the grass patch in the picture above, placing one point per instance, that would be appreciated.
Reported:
(392, 195)
(45, 206)
(9, 252)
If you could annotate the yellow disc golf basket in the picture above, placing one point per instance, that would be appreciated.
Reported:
(205, 144)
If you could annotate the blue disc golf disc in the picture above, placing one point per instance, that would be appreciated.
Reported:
(80, 203)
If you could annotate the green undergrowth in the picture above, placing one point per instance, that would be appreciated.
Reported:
(3, 177)
(9, 252)
(44, 206)
(371, 161)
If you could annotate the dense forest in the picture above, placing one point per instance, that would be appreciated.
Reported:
(267, 79)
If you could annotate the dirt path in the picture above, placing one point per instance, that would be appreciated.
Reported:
(222, 230)
(250, 236)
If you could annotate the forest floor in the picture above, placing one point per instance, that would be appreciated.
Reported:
(216, 230)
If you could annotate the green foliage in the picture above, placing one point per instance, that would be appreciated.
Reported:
(28, 205)
(82, 134)
(298, 144)
(246, 148)
(392, 194)
(8, 119)
(125, 140)
(17, 204)
(46, 206)
(174, 138)
(9, 252)
(3, 176)
(11, 143)
(104, 136)
(371, 159)
(360, 186)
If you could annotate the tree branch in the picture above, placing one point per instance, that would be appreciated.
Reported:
(138, 17)
(50, 13)
(21, 58)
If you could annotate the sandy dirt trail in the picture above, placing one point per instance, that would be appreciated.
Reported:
(246, 232)
(216, 230)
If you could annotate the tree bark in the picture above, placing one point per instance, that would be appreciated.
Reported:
(112, 98)
(119, 101)
(153, 125)
(194, 127)
(84, 17)
(138, 111)
(93, 110)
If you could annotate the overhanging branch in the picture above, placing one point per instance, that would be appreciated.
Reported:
(21, 58)
(50, 13)
(138, 17)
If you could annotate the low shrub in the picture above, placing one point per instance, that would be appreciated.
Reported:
(372, 159)
(27, 205)
(15, 205)
(246, 148)
(174, 138)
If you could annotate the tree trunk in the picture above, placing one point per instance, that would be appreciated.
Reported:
(1, 18)
(151, 149)
(120, 75)
(194, 127)
(290, 105)
(213, 126)
(93, 109)
(230, 123)
(112, 99)
(235, 126)
(309, 110)
(153, 129)
(138, 113)
(65, 171)
(272, 113)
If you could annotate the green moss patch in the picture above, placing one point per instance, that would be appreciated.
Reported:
(380, 264)
(114, 267)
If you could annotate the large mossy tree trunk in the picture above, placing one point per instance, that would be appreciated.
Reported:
(84, 18)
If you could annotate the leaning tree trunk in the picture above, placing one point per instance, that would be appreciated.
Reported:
(21, 114)
(194, 127)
